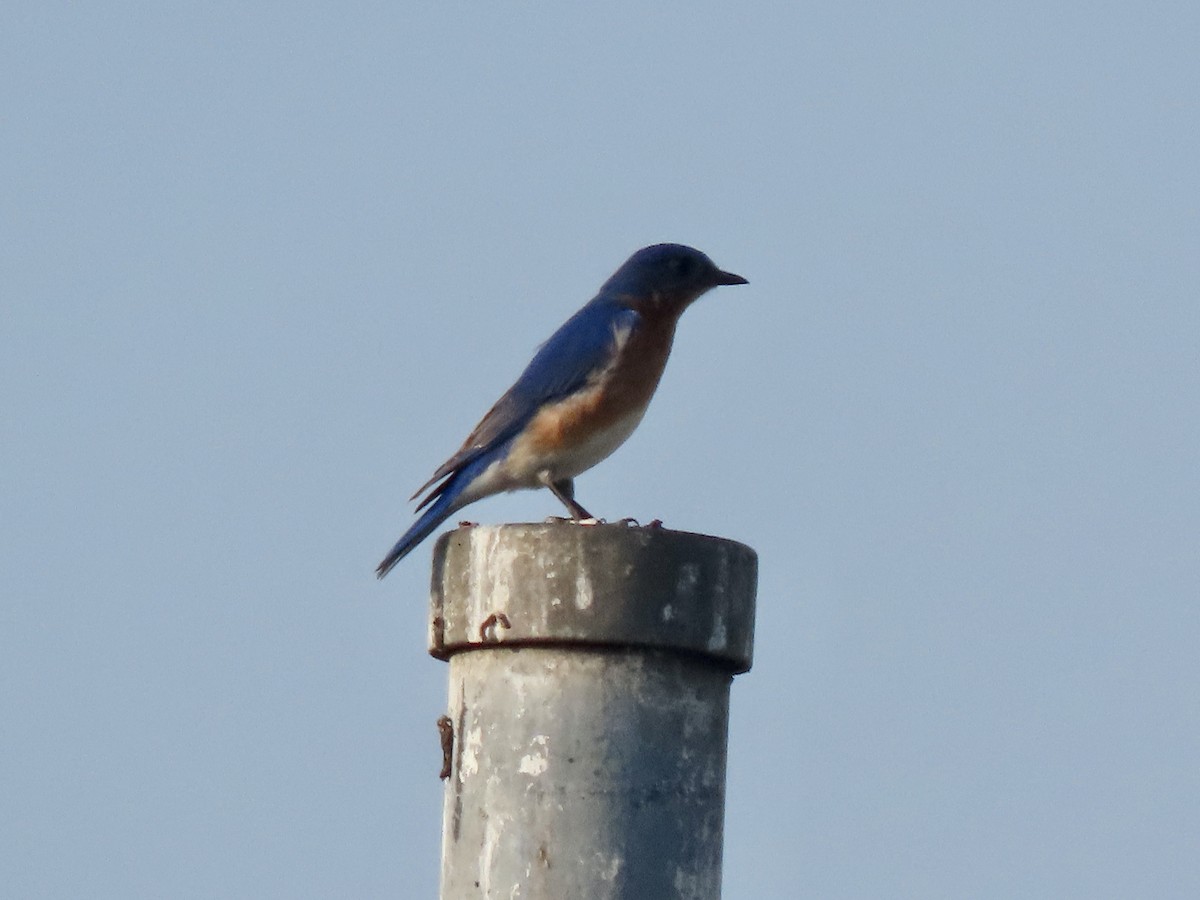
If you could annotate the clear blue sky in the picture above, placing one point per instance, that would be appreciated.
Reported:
(263, 266)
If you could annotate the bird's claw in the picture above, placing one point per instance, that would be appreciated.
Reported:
(634, 523)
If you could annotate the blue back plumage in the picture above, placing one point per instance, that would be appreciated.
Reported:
(581, 347)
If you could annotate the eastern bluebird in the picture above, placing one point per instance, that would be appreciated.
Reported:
(582, 395)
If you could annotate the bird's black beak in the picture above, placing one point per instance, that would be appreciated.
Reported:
(730, 278)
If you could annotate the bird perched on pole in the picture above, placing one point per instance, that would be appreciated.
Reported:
(583, 394)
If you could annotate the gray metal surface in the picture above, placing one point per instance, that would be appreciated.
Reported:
(589, 689)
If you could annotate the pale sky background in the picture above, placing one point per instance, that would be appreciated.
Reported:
(264, 265)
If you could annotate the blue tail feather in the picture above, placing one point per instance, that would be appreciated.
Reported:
(444, 500)
(434, 516)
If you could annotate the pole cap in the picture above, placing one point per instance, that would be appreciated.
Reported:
(557, 583)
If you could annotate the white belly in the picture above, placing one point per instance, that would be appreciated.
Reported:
(526, 465)
(567, 463)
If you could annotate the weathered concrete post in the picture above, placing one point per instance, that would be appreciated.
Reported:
(589, 699)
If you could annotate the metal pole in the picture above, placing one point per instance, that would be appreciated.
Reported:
(589, 701)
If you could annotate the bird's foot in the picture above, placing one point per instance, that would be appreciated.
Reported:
(583, 520)
(634, 523)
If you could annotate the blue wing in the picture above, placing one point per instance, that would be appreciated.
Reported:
(583, 346)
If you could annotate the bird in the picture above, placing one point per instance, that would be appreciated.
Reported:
(579, 399)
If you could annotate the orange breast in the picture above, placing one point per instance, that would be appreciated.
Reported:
(623, 391)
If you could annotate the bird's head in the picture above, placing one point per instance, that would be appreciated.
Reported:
(669, 276)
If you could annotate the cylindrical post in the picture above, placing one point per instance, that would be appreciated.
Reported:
(589, 701)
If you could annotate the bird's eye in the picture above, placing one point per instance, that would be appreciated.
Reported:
(680, 265)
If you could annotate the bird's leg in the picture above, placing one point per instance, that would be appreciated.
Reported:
(564, 490)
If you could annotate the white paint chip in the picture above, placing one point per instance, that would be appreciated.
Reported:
(719, 638)
(689, 577)
(470, 759)
(583, 590)
(535, 763)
